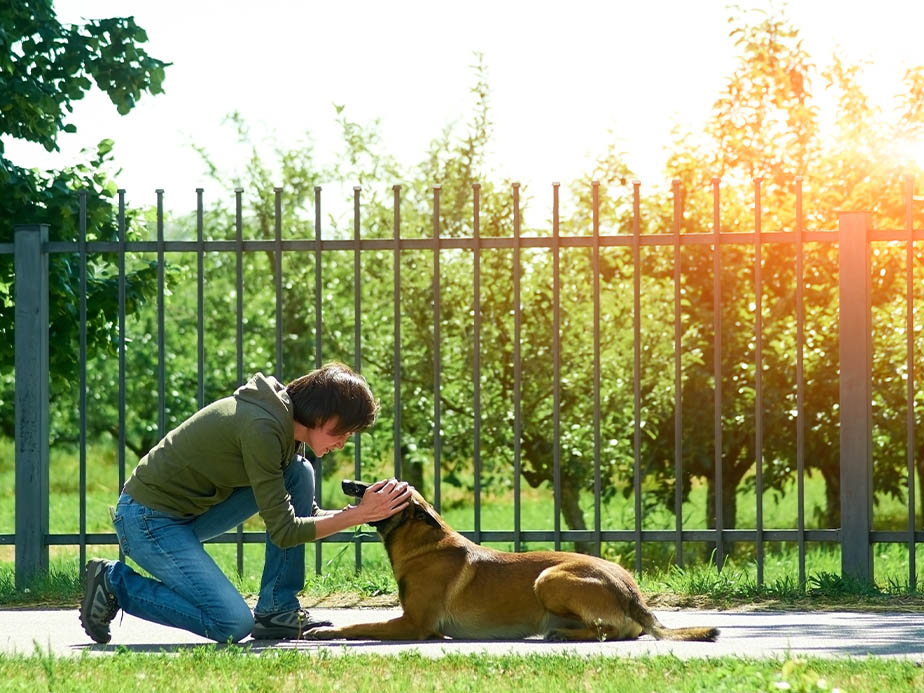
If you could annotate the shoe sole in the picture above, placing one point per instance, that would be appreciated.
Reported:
(261, 633)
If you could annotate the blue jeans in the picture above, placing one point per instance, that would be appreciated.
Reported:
(190, 591)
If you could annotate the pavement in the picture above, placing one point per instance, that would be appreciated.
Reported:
(745, 634)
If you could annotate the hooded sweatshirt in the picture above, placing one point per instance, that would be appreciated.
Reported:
(246, 439)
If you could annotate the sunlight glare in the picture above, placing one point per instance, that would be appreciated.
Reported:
(917, 152)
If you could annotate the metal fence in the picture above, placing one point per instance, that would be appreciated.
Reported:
(853, 237)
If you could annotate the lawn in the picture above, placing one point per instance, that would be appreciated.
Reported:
(222, 669)
(339, 580)
(212, 668)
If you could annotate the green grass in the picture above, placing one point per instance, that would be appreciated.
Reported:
(212, 668)
(697, 582)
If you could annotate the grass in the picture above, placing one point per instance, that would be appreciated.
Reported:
(208, 668)
(339, 583)
(211, 668)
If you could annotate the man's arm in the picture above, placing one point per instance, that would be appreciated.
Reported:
(382, 499)
(318, 511)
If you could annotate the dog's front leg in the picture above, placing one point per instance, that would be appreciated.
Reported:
(400, 628)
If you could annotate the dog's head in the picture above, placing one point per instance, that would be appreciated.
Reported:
(418, 509)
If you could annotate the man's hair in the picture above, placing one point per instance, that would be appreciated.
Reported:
(334, 390)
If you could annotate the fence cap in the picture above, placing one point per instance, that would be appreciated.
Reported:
(20, 229)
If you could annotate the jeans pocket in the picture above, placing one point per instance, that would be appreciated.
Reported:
(119, 523)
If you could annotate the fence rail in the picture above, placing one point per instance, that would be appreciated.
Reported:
(31, 250)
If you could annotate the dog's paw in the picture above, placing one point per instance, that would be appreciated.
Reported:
(320, 633)
(555, 636)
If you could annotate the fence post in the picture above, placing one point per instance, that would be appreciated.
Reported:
(31, 359)
(855, 375)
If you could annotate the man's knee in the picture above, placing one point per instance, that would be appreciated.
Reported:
(299, 481)
(232, 626)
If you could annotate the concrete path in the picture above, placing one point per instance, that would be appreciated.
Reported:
(746, 634)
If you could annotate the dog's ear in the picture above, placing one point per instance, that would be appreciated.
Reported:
(420, 513)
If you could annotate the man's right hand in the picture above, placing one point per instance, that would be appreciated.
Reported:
(384, 498)
(381, 500)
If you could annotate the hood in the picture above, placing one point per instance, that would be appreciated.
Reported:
(270, 395)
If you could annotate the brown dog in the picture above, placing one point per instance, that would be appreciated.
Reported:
(451, 587)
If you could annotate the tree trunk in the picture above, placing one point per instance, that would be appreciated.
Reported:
(919, 469)
(412, 471)
(832, 477)
(741, 457)
(729, 512)
(538, 451)
(572, 513)
(138, 448)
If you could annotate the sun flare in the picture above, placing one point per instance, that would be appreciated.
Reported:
(916, 151)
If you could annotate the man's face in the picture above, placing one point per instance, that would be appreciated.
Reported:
(322, 439)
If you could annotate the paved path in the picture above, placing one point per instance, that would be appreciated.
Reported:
(750, 634)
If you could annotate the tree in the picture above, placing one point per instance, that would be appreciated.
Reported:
(765, 124)
(46, 66)
(455, 162)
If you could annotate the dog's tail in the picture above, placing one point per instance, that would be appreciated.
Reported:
(699, 633)
(650, 624)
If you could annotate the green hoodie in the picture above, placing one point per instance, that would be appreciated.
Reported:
(246, 439)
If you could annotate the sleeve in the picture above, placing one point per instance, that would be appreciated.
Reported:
(318, 511)
(264, 453)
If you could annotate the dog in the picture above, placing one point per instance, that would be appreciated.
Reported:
(451, 587)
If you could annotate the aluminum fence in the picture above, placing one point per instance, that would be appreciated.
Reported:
(854, 235)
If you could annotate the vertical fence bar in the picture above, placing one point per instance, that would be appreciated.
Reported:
(30, 261)
(855, 419)
(800, 377)
(517, 384)
(596, 335)
(556, 338)
(357, 346)
(909, 347)
(122, 342)
(317, 280)
(239, 337)
(82, 368)
(637, 370)
(396, 367)
(316, 463)
(200, 303)
(758, 382)
(239, 280)
(200, 297)
(437, 408)
(161, 331)
(476, 354)
(678, 382)
(717, 375)
(277, 271)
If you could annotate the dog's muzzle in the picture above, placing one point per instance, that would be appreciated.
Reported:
(354, 489)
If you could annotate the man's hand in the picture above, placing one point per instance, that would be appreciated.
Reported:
(384, 499)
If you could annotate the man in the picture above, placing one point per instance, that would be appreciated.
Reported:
(233, 458)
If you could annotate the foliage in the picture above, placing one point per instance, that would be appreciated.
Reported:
(208, 667)
(46, 66)
(736, 584)
(767, 126)
(766, 129)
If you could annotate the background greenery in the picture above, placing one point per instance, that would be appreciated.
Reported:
(767, 124)
(339, 584)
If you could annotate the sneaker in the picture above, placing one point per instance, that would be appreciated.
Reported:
(287, 625)
(99, 605)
